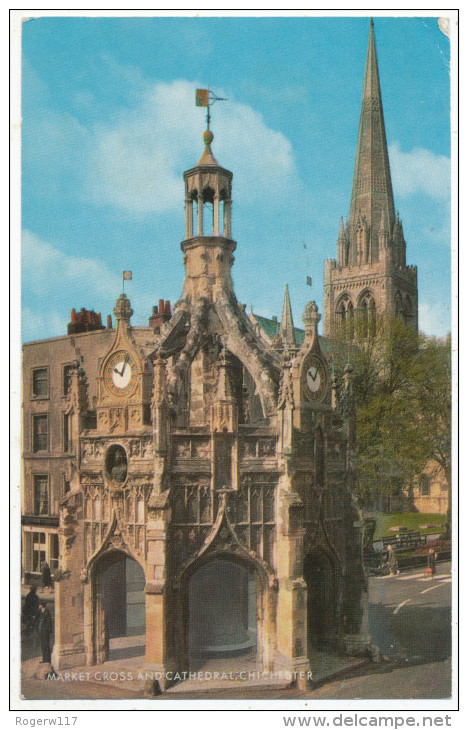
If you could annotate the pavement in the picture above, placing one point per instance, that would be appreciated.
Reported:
(125, 669)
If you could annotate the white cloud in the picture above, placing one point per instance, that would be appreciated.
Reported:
(420, 171)
(136, 162)
(55, 282)
(52, 265)
(434, 319)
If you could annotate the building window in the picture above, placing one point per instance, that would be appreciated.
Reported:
(424, 485)
(66, 484)
(53, 551)
(67, 442)
(40, 383)
(41, 495)
(67, 373)
(39, 551)
(40, 433)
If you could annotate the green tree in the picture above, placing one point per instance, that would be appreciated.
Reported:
(402, 388)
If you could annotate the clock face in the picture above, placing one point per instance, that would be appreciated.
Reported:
(315, 379)
(120, 373)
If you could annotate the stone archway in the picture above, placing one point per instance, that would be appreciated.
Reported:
(222, 610)
(322, 590)
(118, 607)
(226, 611)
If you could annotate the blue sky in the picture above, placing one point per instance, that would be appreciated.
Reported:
(110, 124)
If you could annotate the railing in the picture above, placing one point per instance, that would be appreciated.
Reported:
(405, 540)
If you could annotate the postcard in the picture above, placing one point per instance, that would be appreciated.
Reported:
(238, 488)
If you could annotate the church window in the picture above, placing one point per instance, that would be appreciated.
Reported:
(40, 383)
(243, 506)
(269, 504)
(205, 504)
(371, 318)
(192, 505)
(350, 322)
(345, 318)
(366, 311)
(41, 494)
(40, 433)
(256, 505)
(140, 511)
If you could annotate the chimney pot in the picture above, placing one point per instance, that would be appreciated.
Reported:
(109, 322)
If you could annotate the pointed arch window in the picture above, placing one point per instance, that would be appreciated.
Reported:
(408, 311)
(350, 322)
(399, 309)
(367, 315)
(345, 318)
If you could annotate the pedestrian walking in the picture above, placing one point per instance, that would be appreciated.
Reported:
(31, 609)
(431, 562)
(392, 560)
(46, 575)
(44, 629)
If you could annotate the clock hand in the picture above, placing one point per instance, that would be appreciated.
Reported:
(126, 358)
(312, 375)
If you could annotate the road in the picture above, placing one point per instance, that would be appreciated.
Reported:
(410, 614)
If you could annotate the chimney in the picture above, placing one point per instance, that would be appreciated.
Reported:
(109, 322)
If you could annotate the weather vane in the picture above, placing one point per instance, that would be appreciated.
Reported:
(205, 97)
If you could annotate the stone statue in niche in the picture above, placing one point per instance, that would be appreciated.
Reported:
(116, 464)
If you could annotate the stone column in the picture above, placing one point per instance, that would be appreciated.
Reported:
(69, 645)
(188, 218)
(216, 216)
(200, 215)
(227, 218)
(291, 617)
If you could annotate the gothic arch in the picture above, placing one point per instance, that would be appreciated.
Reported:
(407, 310)
(321, 574)
(398, 302)
(367, 314)
(265, 603)
(97, 630)
(344, 316)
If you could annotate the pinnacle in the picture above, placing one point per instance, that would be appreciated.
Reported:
(207, 157)
(372, 194)
(287, 324)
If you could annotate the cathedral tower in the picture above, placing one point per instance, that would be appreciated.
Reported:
(369, 275)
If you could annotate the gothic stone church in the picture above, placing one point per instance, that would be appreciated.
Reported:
(208, 467)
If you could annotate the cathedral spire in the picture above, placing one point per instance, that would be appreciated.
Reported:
(287, 324)
(372, 194)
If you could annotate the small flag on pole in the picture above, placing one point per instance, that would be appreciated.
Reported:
(202, 97)
(309, 281)
(126, 275)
